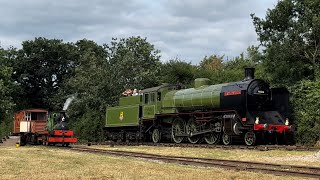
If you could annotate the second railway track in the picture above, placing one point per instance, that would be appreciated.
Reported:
(275, 169)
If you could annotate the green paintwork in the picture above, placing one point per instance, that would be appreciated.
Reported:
(51, 119)
(168, 103)
(204, 96)
(130, 100)
(130, 116)
(149, 111)
(161, 100)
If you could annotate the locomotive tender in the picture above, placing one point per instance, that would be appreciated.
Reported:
(247, 110)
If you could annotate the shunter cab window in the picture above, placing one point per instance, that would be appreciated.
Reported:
(28, 116)
(159, 96)
(38, 116)
(152, 97)
(146, 98)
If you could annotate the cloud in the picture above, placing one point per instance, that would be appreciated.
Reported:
(186, 29)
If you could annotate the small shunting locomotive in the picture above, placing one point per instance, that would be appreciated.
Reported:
(37, 126)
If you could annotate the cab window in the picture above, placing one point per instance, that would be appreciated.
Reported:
(159, 96)
(152, 97)
(146, 98)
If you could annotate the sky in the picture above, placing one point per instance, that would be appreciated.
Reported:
(184, 29)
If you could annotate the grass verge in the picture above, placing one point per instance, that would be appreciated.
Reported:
(307, 158)
(52, 163)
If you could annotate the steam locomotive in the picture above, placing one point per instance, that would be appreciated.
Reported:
(37, 126)
(245, 111)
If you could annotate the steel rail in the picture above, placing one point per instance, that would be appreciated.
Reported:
(212, 146)
(276, 169)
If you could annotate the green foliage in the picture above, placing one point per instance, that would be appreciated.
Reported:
(134, 63)
(306, 101)
(212, 63)
(103, 73)
(40, 69)
(6, 83)
(221, 71)
(89, 127)
(290, 34)
(6, 87)
(178, 71)
(6, 124)
(91, 81)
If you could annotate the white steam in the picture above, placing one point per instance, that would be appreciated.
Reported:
(68, 102)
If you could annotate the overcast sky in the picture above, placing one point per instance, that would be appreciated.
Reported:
(187, 29)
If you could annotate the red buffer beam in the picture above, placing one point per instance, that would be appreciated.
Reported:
(62, 140)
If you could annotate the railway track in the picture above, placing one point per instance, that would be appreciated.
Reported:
(275, 169)
(213, 146)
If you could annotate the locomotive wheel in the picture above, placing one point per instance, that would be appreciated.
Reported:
(192, 128)
(226, 139)
(156, 135)
(178, 128)
(212, 138)
(23, 140)
(250, 138)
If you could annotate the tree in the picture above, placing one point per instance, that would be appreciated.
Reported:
(221, 71)
(102, 74)
(176, 71)
(134, 63)
(91, 81)
(290, 35)
(306, 103)
(212, 63)
(40, 69)
(93, 90)
(6, 87)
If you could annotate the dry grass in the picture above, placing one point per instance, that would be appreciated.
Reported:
(306, 158)
(48, 163)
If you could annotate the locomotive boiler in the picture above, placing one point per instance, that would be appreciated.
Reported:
(248, 110)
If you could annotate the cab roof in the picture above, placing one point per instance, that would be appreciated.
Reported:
(157, 88)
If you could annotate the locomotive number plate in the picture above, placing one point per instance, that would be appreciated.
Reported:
(232, 93)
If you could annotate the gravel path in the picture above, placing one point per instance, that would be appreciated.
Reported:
(308, 158)
(11, 141)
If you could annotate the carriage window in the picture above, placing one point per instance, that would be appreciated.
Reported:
(152, 97)
(146, 98)
(159, 96)
(28, 116)
(34, 116)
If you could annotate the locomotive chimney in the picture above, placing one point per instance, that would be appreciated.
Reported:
(62, 115)
(248, 73)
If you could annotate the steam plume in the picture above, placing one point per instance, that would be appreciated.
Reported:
(68, 102)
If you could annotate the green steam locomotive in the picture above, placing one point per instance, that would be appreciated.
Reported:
(248, 111)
